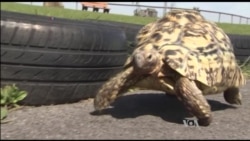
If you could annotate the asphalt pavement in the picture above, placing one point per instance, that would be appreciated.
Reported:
(140, 115)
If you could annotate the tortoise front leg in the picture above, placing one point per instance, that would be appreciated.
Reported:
(115, 87)
(194, 101)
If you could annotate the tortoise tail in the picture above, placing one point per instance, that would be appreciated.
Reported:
(239, 78)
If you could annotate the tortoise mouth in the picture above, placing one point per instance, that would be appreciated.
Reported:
(146, 62)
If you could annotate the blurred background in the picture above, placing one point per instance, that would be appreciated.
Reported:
(223, 12)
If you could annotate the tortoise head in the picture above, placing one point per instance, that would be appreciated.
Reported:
(146, 60)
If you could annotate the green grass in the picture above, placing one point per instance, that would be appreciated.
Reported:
(242, 29)
(80, 15)
(72, 14)
(246, 71)
(245, 67)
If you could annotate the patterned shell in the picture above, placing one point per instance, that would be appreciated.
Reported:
(194, 47)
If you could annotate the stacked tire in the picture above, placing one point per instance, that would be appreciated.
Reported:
(58, 60)
(241, 43)
(130, 30)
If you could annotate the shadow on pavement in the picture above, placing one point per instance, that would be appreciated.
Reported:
(169, 108)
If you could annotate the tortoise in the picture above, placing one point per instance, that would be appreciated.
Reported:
(184, 55)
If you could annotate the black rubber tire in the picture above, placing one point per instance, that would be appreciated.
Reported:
(130, 29)
(58, 61)
(241, 43)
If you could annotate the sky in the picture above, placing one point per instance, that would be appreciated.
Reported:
(237, 8)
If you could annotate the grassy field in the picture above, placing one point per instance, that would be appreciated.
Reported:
(246, 71)
(72, 14)
(80, 15)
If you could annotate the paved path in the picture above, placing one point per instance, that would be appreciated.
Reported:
(134, 116)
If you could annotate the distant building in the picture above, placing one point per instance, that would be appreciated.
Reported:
(53, 4)
(149, 12)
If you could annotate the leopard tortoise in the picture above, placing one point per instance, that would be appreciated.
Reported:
(182, 54)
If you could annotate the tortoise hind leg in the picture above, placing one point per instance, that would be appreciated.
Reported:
(232, 95)
(194, 101)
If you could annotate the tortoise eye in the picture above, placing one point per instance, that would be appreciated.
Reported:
(149, 56)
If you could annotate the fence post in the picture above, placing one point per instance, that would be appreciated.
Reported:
(219, 17)
(165, 8)
(231, 19)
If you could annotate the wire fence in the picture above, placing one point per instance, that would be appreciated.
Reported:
(221, 16)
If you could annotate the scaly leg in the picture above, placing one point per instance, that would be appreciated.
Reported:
(115, 87)
(232, 95)
(194, 101)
